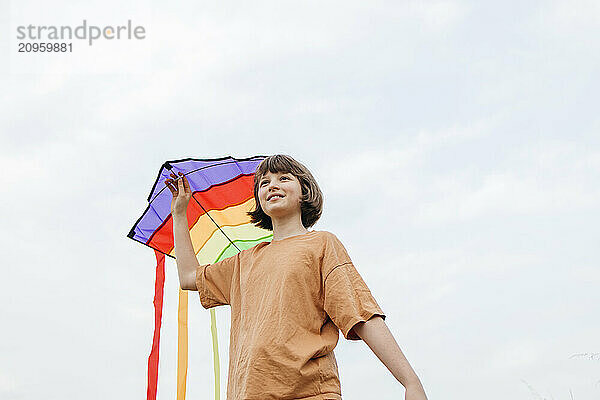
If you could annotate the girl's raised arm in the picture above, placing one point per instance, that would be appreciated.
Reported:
(185, 257)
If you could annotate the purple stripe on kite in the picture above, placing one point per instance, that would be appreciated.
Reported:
(201, 175)
(207, 173)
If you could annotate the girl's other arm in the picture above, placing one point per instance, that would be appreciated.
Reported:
(378, 337)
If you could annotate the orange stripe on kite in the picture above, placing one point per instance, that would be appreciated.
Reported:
(182, 344)
(217, 197)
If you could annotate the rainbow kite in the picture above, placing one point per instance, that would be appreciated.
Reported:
(222, 194)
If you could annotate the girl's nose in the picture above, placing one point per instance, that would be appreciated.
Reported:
(273, 185)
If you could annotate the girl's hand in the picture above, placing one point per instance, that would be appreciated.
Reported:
(180, 188)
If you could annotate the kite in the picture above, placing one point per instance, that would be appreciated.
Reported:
(222, 194)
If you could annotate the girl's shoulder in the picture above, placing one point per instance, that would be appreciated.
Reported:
(329, 240)
(325, 237)
(328, 235)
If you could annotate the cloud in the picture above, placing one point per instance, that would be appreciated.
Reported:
(542, 179)
(571, 16)
(456, 144)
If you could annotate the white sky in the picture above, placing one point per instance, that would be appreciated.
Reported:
(457, 144)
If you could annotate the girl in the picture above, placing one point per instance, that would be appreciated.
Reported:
(289, 297)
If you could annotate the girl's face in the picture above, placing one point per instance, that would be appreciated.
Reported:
(279, 193)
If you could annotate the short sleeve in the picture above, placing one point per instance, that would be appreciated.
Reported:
(213, 281)
(348, 300)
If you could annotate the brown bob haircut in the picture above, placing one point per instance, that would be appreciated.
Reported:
(311, 206)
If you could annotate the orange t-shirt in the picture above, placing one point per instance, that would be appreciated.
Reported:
(288, 298)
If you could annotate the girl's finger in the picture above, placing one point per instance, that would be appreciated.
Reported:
(186, 184)
(169, 184)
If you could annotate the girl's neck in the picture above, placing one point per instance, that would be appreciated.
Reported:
(286, 227)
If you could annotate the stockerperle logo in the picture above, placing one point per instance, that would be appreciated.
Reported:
(60, 38)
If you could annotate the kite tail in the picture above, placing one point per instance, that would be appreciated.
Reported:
(182, 344)
(159, 285)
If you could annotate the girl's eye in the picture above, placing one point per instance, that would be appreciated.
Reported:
(265, 181)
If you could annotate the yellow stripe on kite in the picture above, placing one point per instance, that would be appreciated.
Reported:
(204, 229)
(218, 242)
